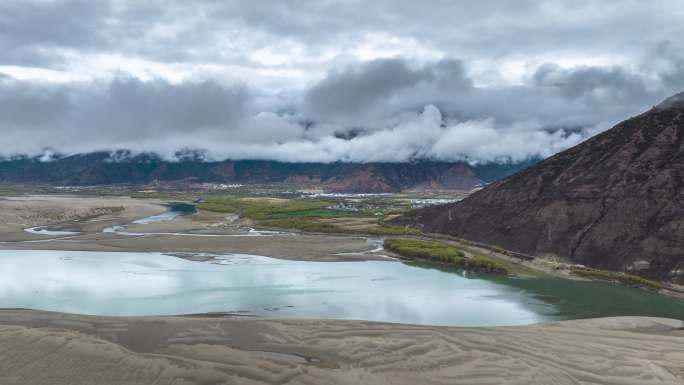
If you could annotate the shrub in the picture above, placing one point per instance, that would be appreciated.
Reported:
(627, 279)
(481, 263)
(441, 253)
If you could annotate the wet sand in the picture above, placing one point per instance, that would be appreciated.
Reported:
(201, 232)
(52, 348)
(68, 212)
(303, 248)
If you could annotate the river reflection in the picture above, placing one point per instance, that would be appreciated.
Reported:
(125, 283)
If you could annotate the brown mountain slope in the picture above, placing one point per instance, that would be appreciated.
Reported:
(101, 168)
(613, 200)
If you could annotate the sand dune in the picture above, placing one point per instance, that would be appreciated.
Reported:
(52, 348)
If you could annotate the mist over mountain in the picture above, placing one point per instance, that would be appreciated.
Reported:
(614, 201)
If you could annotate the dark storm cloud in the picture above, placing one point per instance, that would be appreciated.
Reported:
(379, 83)
(331, 80)
(129, 104)
(31, 106)
(30, 31)
(582, 96)
(355, 89)
(125, 111)
(581, 82)
(125, 105)
(668, 59)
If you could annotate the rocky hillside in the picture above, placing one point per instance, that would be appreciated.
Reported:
(615, 201)
(122, 167)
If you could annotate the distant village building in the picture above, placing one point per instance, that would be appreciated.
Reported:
(418, 203)
(343, 206)
(218, 186)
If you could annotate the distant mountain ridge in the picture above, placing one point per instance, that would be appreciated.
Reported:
(615, 201)
(101, 168)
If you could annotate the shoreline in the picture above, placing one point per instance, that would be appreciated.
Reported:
(63, 349)
(540, 266)
(210, 232)
(234, 348)
(203, 232)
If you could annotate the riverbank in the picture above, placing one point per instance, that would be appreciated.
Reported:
(202, 232)
(62, 349)
(42, 347)
(68, 212)
(212, 232)
(441, 253)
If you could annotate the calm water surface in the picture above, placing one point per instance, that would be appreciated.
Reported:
(123, 283)
(167, 216)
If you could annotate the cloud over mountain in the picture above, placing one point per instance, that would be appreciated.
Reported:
(330, 81)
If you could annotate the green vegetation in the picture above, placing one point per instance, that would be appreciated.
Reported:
(442, 253)
(7, 191)
(218, 207)
(303, 225)
(299, 214)
(266, 209)
(392, 230)
(424, 249)
(627, 279)
(161, 195)
(482, 263)
(325, 227)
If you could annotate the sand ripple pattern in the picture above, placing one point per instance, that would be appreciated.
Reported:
(51, 348)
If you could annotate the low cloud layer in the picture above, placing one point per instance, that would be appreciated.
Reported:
(252, 80)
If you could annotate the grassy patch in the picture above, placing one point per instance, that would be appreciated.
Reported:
(266, 209)
(514, 268)
(627, 279)
(482, 263)
(424, 250)
(9, 192)
(439, 252)
(161, 195)
(305, 215)
(327, 227)
(311, 213)
(392, 230)
(303, 225)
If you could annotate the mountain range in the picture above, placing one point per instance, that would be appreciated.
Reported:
(100, 168)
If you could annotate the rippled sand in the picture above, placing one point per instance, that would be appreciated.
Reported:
(52, 348)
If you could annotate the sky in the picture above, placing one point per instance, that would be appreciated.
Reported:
(323, 81)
